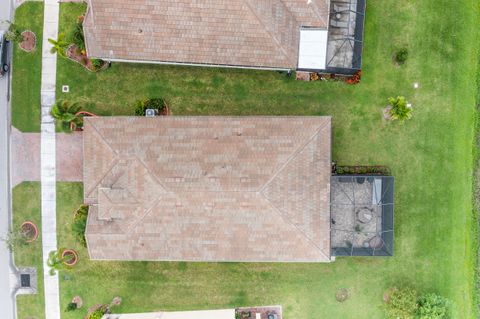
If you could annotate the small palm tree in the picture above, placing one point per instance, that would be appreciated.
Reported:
(59, 46)
(56, 261)
(65, 112)
(400, 110)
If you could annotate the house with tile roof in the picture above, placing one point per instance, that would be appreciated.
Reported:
(319, 35)
(224, 189)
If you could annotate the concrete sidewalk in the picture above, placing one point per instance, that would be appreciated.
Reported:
(48, 158)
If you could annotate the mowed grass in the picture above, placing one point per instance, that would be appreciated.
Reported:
(430, 156)
(27, 68)
(26, 207)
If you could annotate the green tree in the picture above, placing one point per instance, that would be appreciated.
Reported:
(65, 112)
(59, 45)
(56, 261)
(400, 109)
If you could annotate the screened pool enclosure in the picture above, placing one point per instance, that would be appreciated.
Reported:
(361, 210)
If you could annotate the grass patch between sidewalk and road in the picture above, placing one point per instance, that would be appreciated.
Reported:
(27, 69)
(26, 207)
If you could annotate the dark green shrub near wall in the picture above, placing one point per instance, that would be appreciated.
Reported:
(80, 223)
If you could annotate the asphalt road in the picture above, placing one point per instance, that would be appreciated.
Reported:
(7, 301)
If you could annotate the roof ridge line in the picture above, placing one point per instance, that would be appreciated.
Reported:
(279, 212)
(276, 40)
(291, 157)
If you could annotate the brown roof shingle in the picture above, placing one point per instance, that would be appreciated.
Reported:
(251, 33)
(208, 188)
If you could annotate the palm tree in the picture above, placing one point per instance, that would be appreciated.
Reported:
(59, 46)
(400, 110)
(65, 112)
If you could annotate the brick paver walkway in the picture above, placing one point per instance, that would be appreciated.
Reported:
(26, 157)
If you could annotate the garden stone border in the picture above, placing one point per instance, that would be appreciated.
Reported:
(34, 45)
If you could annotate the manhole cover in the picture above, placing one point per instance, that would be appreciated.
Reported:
(25, 280)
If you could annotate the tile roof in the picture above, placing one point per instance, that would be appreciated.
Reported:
(208, 188)
(251, 33)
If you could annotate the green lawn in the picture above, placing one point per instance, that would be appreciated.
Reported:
(27, 70)
(26, 206)
(431, 157)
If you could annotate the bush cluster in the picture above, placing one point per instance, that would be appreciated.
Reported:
(78, 37)
(80, 223)
(405, 303)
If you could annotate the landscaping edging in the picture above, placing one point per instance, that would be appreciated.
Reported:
(35, 229)
(71, 53)
(28, 37)
(72, 253)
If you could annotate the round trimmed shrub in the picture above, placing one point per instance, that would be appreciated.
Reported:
(432, 306)
(401, 56)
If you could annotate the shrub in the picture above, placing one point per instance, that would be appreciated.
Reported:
(65, 113)
(71, 307)
(15, 240)
(432, 306)
(96, 63)
(78, 37)
(13, 34)
(401, 56)
(80, 223)
(158, 104)
(400, 110)
(98, 314)
(402, 304)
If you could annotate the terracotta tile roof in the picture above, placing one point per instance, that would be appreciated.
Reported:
(252, 33)
(208, 188)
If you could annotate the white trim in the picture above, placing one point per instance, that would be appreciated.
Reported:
(194, 64)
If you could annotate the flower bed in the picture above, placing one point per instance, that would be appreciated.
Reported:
(92, 65)
(70, 257)
(30, 231)
(29, 41)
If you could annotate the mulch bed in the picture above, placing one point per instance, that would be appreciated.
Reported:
(74, 54)
(30, 231)
(29, 41)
